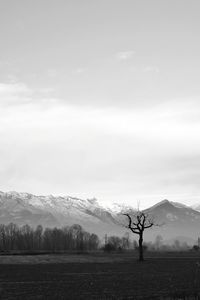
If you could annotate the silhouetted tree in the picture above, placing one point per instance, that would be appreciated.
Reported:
(93, 242)
(25, 238)
(38, 237)
(138, 223)
(115, 241)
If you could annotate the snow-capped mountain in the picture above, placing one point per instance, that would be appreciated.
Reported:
(116, 208)
(50, 211)
(23, 208)
(176, 219)
(196, 207)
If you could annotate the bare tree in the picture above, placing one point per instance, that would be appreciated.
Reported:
(137, 223)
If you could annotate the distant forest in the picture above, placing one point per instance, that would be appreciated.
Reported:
(25, 238)
(74, 238)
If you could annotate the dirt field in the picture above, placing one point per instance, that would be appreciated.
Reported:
(99, 277)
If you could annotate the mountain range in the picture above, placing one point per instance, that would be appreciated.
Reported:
(175, 219)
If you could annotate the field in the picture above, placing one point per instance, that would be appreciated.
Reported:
(100, 276)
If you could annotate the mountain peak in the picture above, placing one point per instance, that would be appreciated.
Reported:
(164, 201)
(161, 203)
(50, 211)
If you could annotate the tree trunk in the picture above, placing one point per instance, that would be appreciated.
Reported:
(141, 257)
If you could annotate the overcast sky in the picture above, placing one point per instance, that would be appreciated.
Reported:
(101, 98)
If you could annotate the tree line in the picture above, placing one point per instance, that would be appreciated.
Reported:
(74, 238)
(115, 243)
(26, 238)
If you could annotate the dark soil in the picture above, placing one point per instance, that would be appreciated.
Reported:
(156, 278)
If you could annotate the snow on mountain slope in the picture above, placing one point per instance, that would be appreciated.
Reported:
(22, 208)
(15, 208)
(177, 219)
(196, 207)
(50, 211)
(117, 208)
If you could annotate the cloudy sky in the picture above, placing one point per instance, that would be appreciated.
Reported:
(101, 98)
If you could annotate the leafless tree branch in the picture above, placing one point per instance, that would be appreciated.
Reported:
(138, 223)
